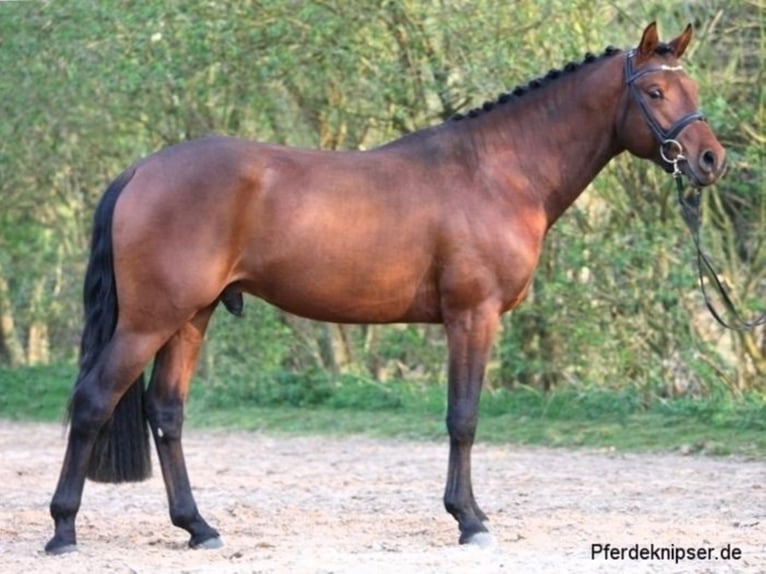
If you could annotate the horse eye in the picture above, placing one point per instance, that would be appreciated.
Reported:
(655, 93)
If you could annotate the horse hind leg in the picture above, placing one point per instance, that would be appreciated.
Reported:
(165, 397)
(93, 402)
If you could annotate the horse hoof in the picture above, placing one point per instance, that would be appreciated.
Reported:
(209, 544)
(54, 549)
(481, 539)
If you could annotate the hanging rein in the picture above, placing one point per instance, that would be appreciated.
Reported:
(691, 208)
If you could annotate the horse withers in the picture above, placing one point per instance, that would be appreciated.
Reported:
(444, 225)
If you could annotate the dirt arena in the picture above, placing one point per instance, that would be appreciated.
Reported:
(357, 505)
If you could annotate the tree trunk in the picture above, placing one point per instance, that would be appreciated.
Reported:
(10, 344)
(38, 344)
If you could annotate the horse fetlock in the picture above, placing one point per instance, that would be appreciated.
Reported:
(469, 517)
(63, 511)
(185, 518)
(479, 512)
(461, 509)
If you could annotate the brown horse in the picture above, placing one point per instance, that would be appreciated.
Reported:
(444, 225)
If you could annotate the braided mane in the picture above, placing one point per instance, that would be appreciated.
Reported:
(551, 76)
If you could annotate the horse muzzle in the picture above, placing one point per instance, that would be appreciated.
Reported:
(706, 167)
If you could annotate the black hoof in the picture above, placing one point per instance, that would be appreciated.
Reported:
(56, 547)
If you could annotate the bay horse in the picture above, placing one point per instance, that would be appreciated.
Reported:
(444, 225)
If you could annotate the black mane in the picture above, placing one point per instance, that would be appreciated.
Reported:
(552, 75)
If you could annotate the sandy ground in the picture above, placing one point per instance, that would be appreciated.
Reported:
(358, 505)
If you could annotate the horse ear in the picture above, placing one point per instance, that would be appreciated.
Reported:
(649, 40)
(679, 44)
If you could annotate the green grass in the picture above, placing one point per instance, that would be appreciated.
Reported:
(619, 420)
(599, 419)
(36, 393)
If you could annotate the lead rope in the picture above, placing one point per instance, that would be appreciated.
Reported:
(691, 211)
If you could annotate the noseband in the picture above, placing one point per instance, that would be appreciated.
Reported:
(666, 138)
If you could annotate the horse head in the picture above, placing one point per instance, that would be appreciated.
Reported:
(659, 118)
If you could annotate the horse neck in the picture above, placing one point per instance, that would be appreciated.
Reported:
(551, 143)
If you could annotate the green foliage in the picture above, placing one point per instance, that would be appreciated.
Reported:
(279, 388)
(307, 389)
(36, 393)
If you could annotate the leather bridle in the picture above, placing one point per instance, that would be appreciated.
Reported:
(690, 202)
(665, 137)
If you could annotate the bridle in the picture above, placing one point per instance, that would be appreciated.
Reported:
(689, 202)
(666, 138)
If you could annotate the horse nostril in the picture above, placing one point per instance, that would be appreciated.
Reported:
(708, 161)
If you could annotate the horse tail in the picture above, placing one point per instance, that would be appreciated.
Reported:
(121, 450)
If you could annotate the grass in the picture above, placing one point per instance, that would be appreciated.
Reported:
(564, 419)
(35, 393)
(597, 418)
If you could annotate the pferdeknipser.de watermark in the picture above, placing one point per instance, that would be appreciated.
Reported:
(604, 551)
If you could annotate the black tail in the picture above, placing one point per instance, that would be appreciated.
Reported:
(121, 452)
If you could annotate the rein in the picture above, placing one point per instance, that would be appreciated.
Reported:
(691, 211)
(691, 207)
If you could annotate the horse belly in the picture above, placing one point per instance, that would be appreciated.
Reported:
(347, 285)
(327, 297)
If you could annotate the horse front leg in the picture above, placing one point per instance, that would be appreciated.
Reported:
(165, 398)
(470, 336)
